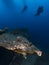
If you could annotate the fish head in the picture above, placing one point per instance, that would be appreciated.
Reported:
(39, 53)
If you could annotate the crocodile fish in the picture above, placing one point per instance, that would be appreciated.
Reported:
(19, 44)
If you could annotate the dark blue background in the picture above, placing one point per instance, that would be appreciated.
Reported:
(11, 16)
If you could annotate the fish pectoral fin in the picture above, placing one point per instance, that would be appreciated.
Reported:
(24, 55)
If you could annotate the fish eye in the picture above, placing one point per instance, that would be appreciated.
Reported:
(30, 44)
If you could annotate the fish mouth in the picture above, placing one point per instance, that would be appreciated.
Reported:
(39, 53)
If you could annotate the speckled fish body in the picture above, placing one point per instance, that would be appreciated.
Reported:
(25, 47)
(18, 44)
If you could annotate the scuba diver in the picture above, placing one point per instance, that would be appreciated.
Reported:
(39, 10)
(25, 6)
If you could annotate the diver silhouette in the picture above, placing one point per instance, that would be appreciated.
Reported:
(25, 6)
(39, 10)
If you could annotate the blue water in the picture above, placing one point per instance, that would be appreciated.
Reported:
(12, 17)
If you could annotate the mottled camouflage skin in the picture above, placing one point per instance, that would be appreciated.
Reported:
(18, 44)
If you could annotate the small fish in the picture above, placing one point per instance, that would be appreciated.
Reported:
(39, 10)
